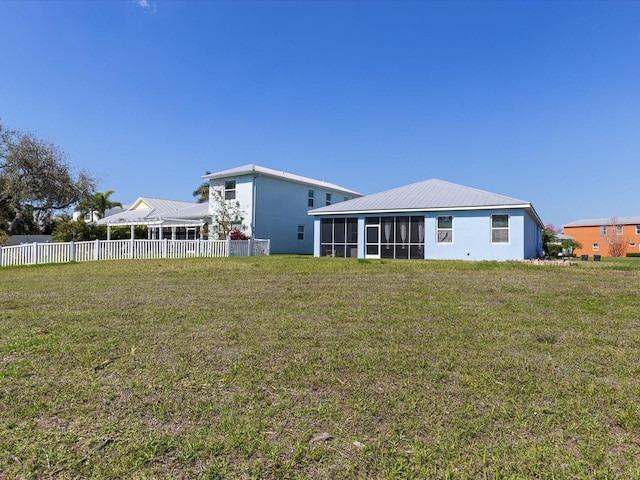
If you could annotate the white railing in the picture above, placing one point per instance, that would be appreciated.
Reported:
(35, 253)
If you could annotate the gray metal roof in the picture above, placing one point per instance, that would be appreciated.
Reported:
(596, 222)
(252, 169)
(427, 195)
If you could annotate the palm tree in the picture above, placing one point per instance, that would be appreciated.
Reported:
(98, 202)
(202, 192)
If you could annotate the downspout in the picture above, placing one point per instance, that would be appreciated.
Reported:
(253, 206)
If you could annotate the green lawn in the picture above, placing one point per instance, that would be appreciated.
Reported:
(232, 368)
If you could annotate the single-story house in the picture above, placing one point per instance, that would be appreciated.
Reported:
(432, 219)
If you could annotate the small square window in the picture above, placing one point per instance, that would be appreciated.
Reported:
(596, 247)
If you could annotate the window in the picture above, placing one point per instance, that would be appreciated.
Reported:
(328, 199)
(311, 196)
(445, 229)
(339, 237)
(230, 190)
(637, 229)
(500, 228)
(596, 247)
(619, 229)
(300, 232)
(603, 230)
(344, 199)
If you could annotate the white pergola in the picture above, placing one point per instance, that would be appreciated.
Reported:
(158, 215)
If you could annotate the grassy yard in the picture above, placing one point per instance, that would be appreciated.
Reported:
(299, 367)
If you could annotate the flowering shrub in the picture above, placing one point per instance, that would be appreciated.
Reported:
(238, 234)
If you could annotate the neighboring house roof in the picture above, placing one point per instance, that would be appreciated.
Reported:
(596, 222)
(562, 236)
(428, 195)
(147, 210)
(252, 169)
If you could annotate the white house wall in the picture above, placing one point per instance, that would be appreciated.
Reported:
(244, 196)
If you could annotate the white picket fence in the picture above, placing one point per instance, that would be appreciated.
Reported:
(35, 253)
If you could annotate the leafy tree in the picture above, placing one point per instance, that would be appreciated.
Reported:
(549, 238)
(98, 202)
(35, 182)
(202, 192)
(69, 230)
(227, 214)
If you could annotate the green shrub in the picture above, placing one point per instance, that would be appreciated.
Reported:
(633, 254)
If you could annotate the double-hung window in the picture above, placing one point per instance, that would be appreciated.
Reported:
(445, 229)
(300, 232)
(229, 189)
(619, 229)
(311, 196)
(500, 228)
(603, 230)
(328, 202)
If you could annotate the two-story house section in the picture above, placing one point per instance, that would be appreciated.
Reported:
(605, 236)
(275, 204)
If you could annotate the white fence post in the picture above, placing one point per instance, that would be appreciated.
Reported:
(164, 248)
(72, 252)
(96, 250)
(34, 253)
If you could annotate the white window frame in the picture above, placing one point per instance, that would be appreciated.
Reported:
(500, 229)
(619, 229)
(603, 230)
(229, 189)
(596, 247)
(444, 238)
(637, 229)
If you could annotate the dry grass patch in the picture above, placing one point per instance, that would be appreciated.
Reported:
(235, 368)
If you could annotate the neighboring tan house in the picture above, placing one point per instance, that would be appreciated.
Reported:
(432, 219)
(275, 204)
(597, 235)
(170, 219)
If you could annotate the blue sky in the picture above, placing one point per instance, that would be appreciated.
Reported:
(535, 100)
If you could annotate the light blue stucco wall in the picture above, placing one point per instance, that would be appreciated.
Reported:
(471, 235)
